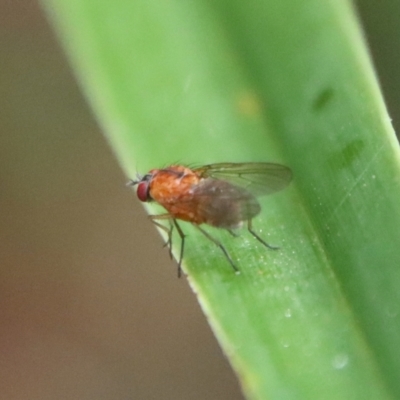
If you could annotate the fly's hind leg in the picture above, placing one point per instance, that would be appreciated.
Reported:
(262, 241)
(219, 244)
(169, 233)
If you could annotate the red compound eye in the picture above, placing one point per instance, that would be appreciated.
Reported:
(143, 191)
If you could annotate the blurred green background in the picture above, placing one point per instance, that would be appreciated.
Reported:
(90, 304)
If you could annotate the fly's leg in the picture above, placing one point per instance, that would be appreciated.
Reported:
(233, 233)
(168, 243)
(169, 233)
(250, 229)
(165, 229)
(219, 244)
(182, 236)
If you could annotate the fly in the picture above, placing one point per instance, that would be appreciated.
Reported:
(222, 195)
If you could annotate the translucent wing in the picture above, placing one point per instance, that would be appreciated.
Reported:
(224, 205)
(258, 178)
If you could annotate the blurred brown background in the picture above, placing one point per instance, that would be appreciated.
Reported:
(90, 306)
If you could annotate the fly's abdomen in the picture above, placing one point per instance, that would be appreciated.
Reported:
(224, 205)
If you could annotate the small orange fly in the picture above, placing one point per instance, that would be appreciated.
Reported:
(221, 195)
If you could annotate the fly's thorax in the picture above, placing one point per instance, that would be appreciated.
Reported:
(169, 185)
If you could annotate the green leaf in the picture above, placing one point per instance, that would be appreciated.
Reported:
(262, 80)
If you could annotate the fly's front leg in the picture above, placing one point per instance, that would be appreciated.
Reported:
(168, 243)
(182, 236)
(250, 229)
(165, 229)
(169, 233)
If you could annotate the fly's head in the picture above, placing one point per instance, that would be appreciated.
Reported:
(143, 186)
